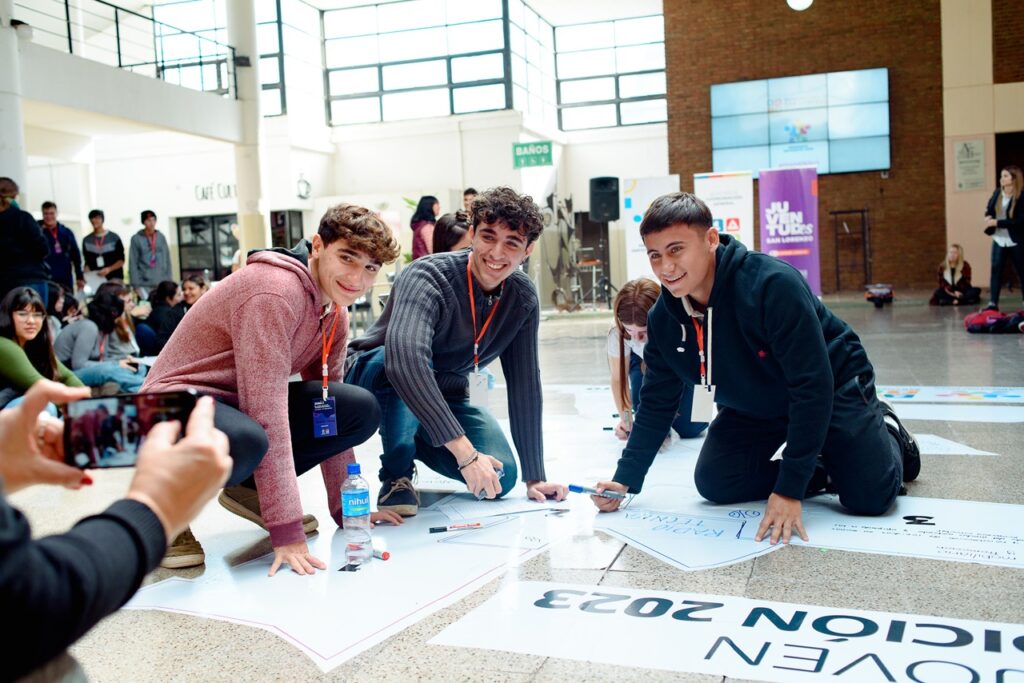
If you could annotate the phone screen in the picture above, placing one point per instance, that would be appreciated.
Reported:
(108, 431)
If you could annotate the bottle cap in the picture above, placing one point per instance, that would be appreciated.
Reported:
(353, 468)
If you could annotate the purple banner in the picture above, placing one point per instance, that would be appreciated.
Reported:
(789, 219)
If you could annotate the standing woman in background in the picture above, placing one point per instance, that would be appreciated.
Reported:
(1004, 221)
(422, 224)
(26, 348)
(626, 341)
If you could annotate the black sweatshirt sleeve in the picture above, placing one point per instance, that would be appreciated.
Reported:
(659, 396)
(795, 338)
(55, 589)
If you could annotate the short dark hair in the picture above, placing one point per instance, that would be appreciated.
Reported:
(675, 208)
(49, 205)
(449, 230)
(164, 291)
(503, 204)
(362, 229)
(470, 190)
(104, 309)
(146, 214)
(97, 213)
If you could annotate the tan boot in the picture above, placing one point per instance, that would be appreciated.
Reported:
(245, 503)
(184, 551)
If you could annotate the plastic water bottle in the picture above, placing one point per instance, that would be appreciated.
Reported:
(355, 512)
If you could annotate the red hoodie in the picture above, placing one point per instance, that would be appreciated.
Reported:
(240, 343)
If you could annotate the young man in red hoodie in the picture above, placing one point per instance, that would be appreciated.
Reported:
(281, 315)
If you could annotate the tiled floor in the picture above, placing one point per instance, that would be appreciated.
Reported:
(909, 343)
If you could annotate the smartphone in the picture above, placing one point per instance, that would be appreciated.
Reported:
(108, 431)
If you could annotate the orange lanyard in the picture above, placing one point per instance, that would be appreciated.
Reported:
(472, 310)
(327, 344)
(700, 349)
(103, 343)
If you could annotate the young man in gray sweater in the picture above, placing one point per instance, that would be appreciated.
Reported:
(448, 316)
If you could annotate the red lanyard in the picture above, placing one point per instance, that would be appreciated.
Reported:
(327, 344)
(103, 343)
(56, 240)
(700, 348)
(98, 241)
(472, 310)
(152, 244)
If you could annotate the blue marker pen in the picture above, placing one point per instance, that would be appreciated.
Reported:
(576, 488)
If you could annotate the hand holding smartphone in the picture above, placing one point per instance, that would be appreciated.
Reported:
(108, 431)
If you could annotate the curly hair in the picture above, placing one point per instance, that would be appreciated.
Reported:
(362, 229)
(504, 205)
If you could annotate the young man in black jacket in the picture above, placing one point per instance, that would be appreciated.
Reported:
(787, 374)
(56, 588)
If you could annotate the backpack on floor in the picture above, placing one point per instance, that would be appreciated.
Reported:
(993, 322)
(878, 293)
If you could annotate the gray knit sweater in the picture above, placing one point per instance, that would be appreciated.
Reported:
(427, 332)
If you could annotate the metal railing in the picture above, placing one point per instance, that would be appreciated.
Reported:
(122, 38)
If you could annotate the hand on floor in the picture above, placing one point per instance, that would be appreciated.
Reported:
(298, 557)
(783, 515)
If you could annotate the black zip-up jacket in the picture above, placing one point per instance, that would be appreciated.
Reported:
(776, 354)
(1014, 221)
(54, 589)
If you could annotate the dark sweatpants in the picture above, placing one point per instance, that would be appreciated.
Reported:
(860, 454)
(358, 418)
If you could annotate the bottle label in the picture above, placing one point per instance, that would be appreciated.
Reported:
(355, 503)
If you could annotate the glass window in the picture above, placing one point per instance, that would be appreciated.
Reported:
(515, 12)
(519, 99)
(415, 75)
(644, 111)
(478, 68)
(351, 51)
(270, 71)
(472, 10)
(266, 38)
(598, 116)
(399, 47)
(301, 16)
(641, 85)
(519, 70)
(640, 30)
(399, 16)
(640, 58)
(362, 110)
(590, 90)
(585, 36)
(533, 51)
(359, 21)
(270, 102)
(487, 35)
(589, 63)
(266, 10)
(479, 98)
(517, 40)
(416, 104)
(352, 81)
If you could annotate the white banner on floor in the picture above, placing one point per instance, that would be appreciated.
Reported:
(737, 637)
(698, 535)
(896, 393)
(730, 196)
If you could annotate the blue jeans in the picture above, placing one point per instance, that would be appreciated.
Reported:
(405, 440)
(110, 371)
(682, 424)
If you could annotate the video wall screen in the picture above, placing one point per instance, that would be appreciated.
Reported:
(838, 121)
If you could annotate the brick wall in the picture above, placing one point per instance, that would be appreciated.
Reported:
(713, 41)
(1007, 44)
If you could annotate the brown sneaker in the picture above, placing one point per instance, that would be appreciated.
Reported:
(399, 496)
(245, 502)
(184, 551)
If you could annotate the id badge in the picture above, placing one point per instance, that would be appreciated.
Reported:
(478, 389)
(99, 261)
(703, 409)
(325, 422)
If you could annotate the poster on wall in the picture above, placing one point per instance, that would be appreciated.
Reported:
(789, 219)
(970, 165)
(730, 196)
(637, 195)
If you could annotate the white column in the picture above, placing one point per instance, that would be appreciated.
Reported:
(13, 163)
(253, 231)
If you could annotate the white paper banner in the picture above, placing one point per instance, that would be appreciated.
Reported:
(637, 195)
(916, 394)
(738, 637)
(730, 196)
